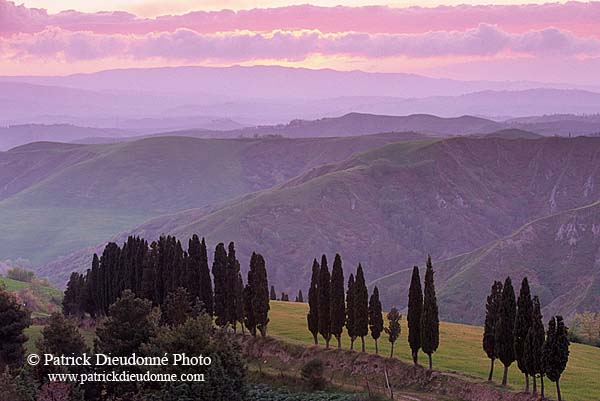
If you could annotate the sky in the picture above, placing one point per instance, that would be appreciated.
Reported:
(552, 42)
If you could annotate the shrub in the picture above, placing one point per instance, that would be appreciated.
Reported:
(20, 274)
(312, 374)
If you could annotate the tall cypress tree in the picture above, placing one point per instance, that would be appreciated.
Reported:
(199, 282)
(430, 323)
(235, 287)
(361, 306)
(260, 293)
(193, 281)
(350, 314)
(325, 301)
(555, 353)
(338, 305)
(312, 317)
(415, 310)
(249, 319)
(73, 300)
(491, 317)
(206, 289)
(92, 288)
(534, 343)
(239, 299)
(505, 327)
(219, 271)
(375, 318)
(522, 324)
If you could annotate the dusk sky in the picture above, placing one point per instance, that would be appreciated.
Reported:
(554, 42)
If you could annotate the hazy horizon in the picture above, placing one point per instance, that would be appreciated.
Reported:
(550, 42)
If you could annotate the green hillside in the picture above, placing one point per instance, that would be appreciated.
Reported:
(389, 207)
(460, 352)
(542, 250)
(40, 299)
(67, 197)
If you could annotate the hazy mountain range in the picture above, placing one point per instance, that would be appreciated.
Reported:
(163, 99)
(351, 124)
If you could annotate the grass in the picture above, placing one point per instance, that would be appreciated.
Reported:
(460, 352)
(43, 299)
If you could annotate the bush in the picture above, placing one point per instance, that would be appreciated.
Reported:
(20, 274)
(261, 392)
(312, 374)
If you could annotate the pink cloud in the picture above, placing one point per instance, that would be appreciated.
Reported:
(188, 45)
(581, 18)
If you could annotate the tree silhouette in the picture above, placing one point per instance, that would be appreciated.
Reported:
(415, 310)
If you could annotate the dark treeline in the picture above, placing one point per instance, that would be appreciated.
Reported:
(333, 307)
(158, 270)
(514, 331)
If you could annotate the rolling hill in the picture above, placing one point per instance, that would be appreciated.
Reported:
(16, 135)
(559, 254)
(389, 207)
(353, 124)
(66, 197)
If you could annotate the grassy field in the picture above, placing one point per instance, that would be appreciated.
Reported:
(45, 299)
(460, 351)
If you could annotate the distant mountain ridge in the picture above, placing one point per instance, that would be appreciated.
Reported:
(351, 124)
(175, 98)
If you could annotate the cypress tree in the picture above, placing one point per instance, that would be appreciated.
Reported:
(430, 324)
(73, 299)
(206, 289)
(260, 293)
(199, 282)
(555, 353)
(325, 301)
(491, 317)
(361, 306)
(193, 280)
(299, 297)
(375, 318)
(312, 317)
(393, 329)
(149, 274)
(14, 319)
(523, 322)
(415, 311)
(239, 299)
(219, 271)
(338, 305)
(505, 339)
(534, 343)
(234, 290)
(350, 315)
(249, 320)
(273, 294)
(92, 289)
